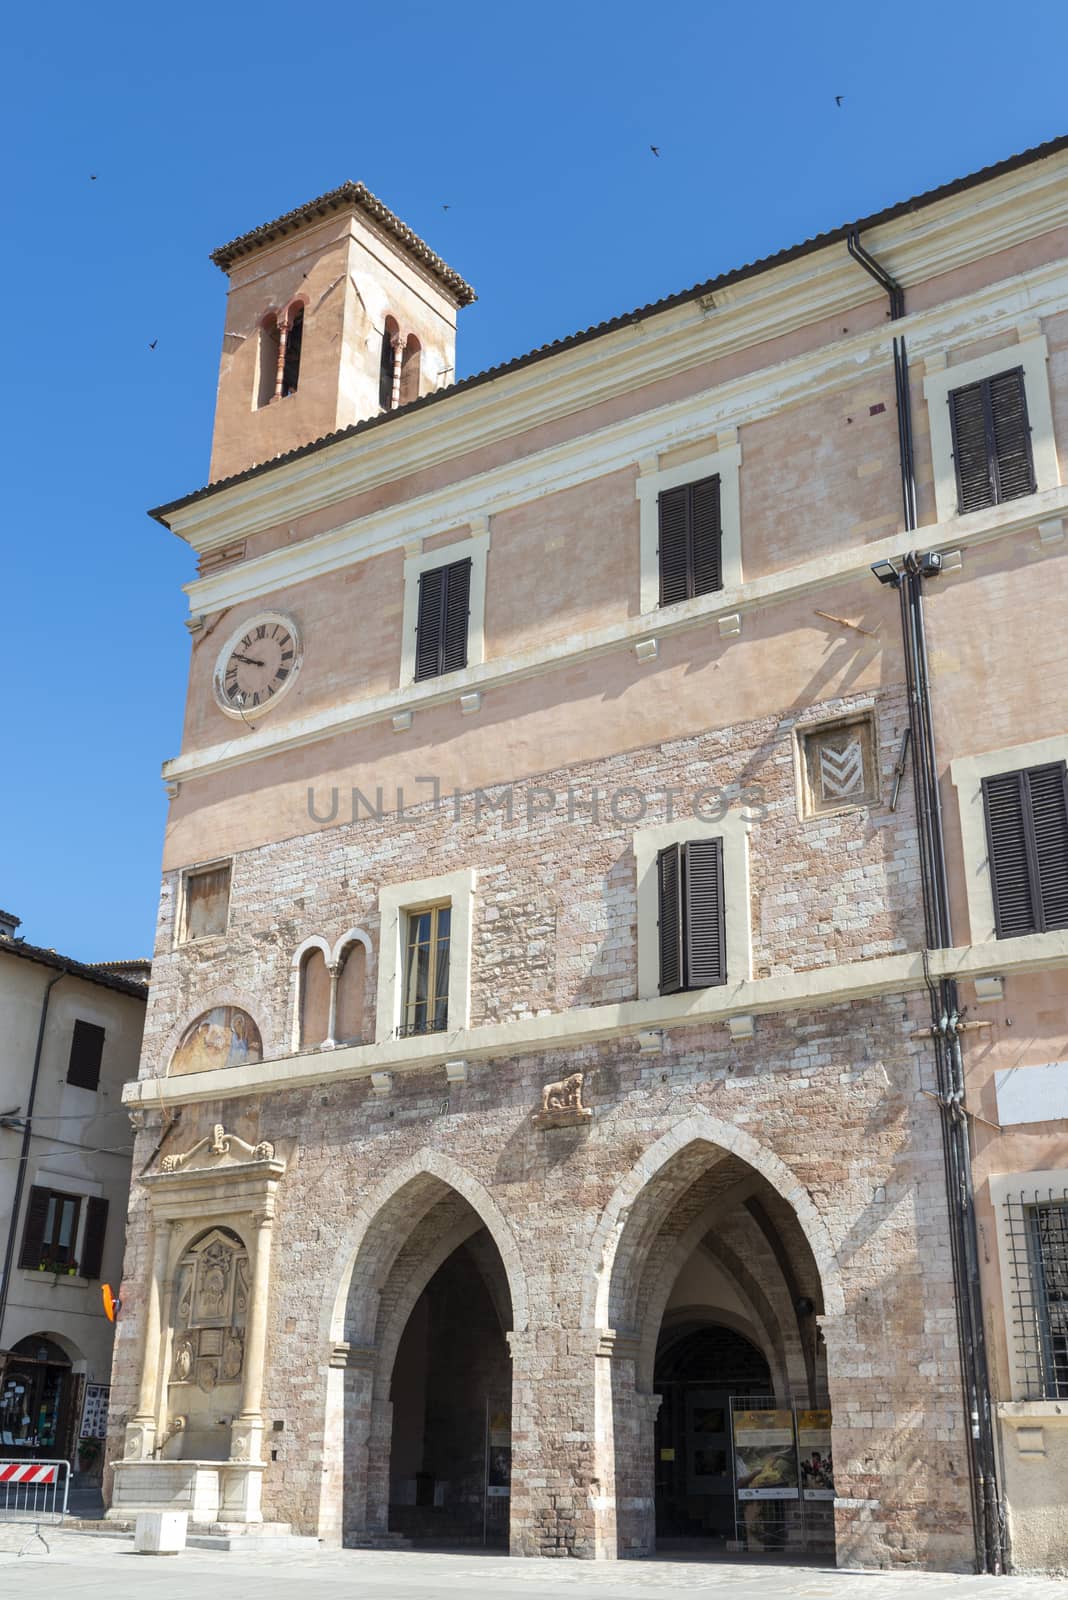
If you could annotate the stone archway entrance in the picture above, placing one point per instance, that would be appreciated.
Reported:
(420, 1419)
(712, 1292)
(451, 1394)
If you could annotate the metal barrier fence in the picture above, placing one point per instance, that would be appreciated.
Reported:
(34, 1492)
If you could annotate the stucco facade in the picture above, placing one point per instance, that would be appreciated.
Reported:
(736, 1189)
(54, 1337)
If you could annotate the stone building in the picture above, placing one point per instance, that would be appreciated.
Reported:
(71, 1036)
(573, 1101)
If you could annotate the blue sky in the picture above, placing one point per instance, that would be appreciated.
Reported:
(533, 124)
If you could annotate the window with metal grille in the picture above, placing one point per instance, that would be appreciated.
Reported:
(1027, 837)
(1038, 1257)
(693, 945)
(441, 623)
(426, 971)
(991, 441)
(691, 540)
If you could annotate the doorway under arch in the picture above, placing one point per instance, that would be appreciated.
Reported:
(713, 1291)
(435, 1289)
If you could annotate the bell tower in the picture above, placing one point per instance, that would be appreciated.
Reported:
(336, 312)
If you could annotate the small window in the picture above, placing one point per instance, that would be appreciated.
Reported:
(86, 1054)
(294, 338)
(441, 622)
(691, 540)
(838, 766)
(426, 971)
(693, 943)
(991, 441)
(207, 902)
(1027, 837)
(51, 1231)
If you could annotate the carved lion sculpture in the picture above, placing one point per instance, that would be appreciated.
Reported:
(563, 1096)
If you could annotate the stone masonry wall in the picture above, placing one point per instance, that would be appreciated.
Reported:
(834, 1098)
(555, 913)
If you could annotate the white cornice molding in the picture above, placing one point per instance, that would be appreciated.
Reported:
(820, 987)
(752, 311)
(980, 527)
(748, 398)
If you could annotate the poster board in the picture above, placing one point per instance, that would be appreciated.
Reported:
(765, 1455)
(814, 1451)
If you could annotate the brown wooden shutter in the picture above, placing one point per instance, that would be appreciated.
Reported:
(1010, 875)
(457, 607)
(441, 626)
(96, 1227)
(34, 1227)
(86, 1054)
(707, 537)
(991, 441)
(674, 554)
(690, 540)
(1027, 836)
(669, 887)
(429, 624)
(1048, 788)
(971, 451)
(706, 951)
(1014, 473)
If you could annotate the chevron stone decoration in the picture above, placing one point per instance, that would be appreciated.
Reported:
(839, 765)
(842, 771)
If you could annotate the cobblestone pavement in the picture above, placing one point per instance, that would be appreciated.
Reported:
(98, 1567)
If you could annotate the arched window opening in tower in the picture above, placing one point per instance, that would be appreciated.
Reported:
(294, 339)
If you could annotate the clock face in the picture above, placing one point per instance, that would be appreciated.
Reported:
(257, 665)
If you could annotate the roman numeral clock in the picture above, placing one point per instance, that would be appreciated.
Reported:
(257, 665)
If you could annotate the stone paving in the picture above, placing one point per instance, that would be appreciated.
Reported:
(98, 1567)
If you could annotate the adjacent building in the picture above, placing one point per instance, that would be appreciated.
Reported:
(603, 1079)
(71, 1038)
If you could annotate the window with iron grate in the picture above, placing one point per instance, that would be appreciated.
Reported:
(1037, 1228)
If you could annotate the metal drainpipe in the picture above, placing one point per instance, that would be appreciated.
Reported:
(20, 1176)
(988, 1515)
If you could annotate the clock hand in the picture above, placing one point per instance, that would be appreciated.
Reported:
(251, 660)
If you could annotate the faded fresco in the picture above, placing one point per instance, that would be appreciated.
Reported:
(223, 1037)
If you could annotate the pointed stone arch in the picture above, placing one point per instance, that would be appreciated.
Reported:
(397, 1238)
(705, 1135)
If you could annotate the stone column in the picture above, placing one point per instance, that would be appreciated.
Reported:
(141, 1432)
(246, 1434)
(556, 1496)
(398, 361)
(626, 1421)
(330, 1043)
(283, 337)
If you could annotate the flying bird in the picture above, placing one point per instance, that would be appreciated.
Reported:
(656, 151)
(838, 99)
(446, 208)
(153, 345)
(92, 177)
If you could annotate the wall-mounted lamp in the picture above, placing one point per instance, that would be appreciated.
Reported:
(886, 572)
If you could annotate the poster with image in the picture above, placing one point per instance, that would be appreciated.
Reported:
(814, 1449)
(765, 1455)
